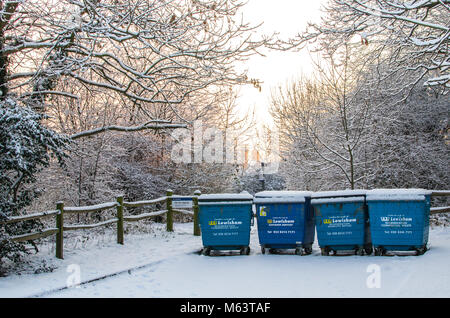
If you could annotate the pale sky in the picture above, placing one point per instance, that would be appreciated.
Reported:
(288, 18)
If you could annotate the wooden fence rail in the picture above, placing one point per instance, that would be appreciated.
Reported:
(439, 210)
(444, 209)
(120, 218)
(445, 193)
(34, 236)
(29, 217)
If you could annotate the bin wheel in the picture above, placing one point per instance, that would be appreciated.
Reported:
(245, 250)
(299, 251)
(379, 251)
(308, 250)
(421, 251)
(359, 251)
(207, 251)
(263, 250)
(368, 250)
(325, 251)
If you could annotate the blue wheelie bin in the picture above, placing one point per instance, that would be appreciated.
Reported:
(285, 221)
(399, 219)
(225, 222)
(342, 221)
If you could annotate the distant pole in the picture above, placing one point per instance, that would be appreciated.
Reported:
(262, 178)
(120, 220)
(60, 234)
(196, 210)
(169, 225)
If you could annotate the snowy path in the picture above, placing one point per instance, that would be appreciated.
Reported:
(176, 271)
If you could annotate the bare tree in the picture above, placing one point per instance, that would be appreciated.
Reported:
(324, 122)
(144, 52)
(411, 36)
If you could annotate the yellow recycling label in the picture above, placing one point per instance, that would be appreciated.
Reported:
(262, 211)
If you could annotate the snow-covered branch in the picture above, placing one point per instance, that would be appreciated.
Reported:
(154, 125)
(410, 35)
(154, 52)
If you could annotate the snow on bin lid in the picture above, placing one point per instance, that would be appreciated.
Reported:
(397, 194)
(225, 198)
(338, 196)
(281, 196)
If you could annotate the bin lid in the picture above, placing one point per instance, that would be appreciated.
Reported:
(281, 196)
(340, 196)
(397, 194)
(225, 198)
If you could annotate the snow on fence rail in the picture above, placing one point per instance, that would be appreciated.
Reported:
(120, 218)
(29, 217)
(143, 203)
(134, 218)
(91, 208)
(89, 226)
(444, 209)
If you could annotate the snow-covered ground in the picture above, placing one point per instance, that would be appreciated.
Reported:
(167, 265)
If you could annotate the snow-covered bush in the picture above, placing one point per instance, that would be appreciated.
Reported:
(26, 146)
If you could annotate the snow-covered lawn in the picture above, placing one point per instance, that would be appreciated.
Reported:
(174, 269)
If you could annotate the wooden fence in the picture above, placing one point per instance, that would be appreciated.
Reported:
(120, 218)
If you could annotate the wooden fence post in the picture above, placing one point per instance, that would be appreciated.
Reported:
(169, 226)
(60, 233)
(119, 220)
(196, 210)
